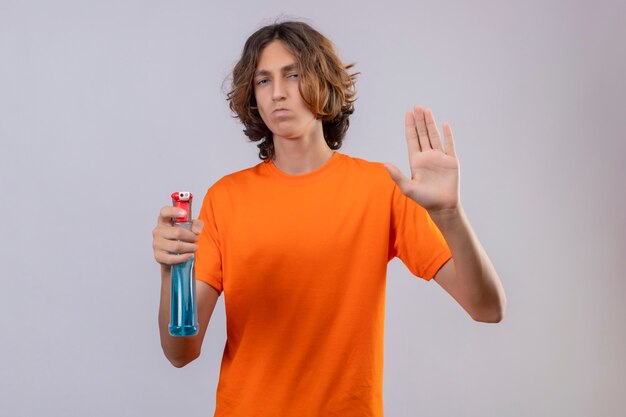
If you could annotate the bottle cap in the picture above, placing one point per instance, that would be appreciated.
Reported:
(182, 199)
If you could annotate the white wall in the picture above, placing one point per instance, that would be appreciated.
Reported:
(96, 99)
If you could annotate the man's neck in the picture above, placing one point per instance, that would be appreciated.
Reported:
(301, 155)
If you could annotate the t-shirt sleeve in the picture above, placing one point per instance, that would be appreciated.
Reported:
(208, 257)
(414, 237)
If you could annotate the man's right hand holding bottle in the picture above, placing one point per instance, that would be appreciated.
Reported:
(174, 245)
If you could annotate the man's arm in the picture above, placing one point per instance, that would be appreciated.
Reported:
(469, 277)
(434, 184)
(174, 245)
(182, 350)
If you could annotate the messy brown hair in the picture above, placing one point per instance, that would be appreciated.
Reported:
(325, 85)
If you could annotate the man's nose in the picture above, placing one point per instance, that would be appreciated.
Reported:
(278, 89)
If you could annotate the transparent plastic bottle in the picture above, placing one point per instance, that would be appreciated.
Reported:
(183, 308)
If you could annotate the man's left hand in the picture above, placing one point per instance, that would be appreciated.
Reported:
(434, 182)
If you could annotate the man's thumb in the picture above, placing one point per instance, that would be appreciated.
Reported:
(197, 226)
(397, 175)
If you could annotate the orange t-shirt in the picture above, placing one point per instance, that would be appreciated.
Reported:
(302, 262)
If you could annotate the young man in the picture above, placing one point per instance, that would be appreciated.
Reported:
(299, 244)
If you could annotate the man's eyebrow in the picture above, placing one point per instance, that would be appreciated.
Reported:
(286, 68)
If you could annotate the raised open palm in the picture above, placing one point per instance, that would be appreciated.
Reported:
(434, 182)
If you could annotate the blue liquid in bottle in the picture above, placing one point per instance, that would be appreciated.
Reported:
(183, 311)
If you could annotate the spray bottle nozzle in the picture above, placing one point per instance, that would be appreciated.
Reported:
(183, 199)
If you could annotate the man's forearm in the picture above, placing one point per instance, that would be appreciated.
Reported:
(477, 285)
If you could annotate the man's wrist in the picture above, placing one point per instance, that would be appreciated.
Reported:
(165, 269)
(448, 217)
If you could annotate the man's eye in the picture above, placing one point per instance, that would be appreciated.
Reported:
(294, 75)
(262, 82)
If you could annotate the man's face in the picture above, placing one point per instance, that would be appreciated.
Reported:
(278, 98)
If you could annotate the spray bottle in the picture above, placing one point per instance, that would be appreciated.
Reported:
(183, 310)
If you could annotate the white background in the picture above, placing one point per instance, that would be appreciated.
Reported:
(108, 107)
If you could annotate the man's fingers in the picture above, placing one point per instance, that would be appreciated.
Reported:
(169, 213)
(174, 246)
(449, 139)
(410, 132)
(175, 233)
(172, 259)
(422, 131)
(431, 126)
